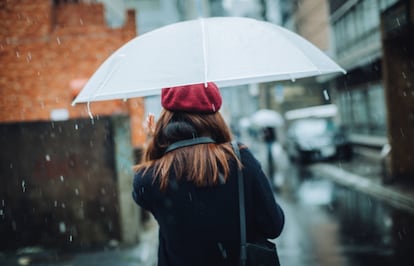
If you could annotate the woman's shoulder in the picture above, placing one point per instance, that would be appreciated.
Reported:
(144, 176)
(245, 151)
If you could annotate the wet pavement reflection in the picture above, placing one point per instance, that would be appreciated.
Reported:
(327, 224)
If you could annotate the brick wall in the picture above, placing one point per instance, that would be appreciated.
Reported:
(47, 53)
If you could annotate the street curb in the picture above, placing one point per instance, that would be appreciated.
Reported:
(365, 185)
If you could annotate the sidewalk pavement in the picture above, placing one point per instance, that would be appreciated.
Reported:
(364, 175)
(142, 254)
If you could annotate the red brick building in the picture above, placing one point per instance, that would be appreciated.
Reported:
(66, 180)
(48, 51)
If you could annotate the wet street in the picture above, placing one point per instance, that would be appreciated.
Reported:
(325, 225)
(331, 225)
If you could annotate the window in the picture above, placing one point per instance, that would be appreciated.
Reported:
(363, 110)
(359, 111)
(384, 4)
(345, 110)
(377, 114)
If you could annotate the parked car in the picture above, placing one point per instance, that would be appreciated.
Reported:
(316, 139)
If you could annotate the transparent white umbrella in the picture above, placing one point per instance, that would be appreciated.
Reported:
(226, 50)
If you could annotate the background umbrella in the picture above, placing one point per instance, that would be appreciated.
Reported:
(227, 50)
(267, 118)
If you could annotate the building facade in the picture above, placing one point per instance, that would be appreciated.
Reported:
(361, 95)
(370, 40)
(66, 178)
(358, 48)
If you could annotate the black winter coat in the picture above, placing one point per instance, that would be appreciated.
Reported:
(200, 225)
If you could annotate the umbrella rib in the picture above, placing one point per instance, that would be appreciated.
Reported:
(203, 36)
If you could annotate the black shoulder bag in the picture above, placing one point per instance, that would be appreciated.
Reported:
(261, 253)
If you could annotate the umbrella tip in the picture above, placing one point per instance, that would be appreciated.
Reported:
(88, 106)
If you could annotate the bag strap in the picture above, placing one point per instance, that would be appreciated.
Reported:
(189, 142)
(242, 211)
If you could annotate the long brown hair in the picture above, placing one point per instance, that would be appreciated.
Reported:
(203, 164)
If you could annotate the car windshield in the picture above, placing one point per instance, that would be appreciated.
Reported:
(309, 127)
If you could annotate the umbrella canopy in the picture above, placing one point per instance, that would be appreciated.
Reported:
(267, 118)
(226, 50)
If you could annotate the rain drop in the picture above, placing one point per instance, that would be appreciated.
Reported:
(222, 250)
(29, 57)
(189, 195)
(76, 191)
(47, 157)
(400, 235)
(17, 54)
(63, 205)
(1, 212)
(76, 126)
(11, 165)
(62, 178)
(326, 94)
(102, 209)
(70, 238)
(55, 203)
(23, 186)
(404, 75)
(62, 227)
(23, 261)
(58, 40)
(388, 222)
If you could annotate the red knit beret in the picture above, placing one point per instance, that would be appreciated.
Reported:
(195, 98)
